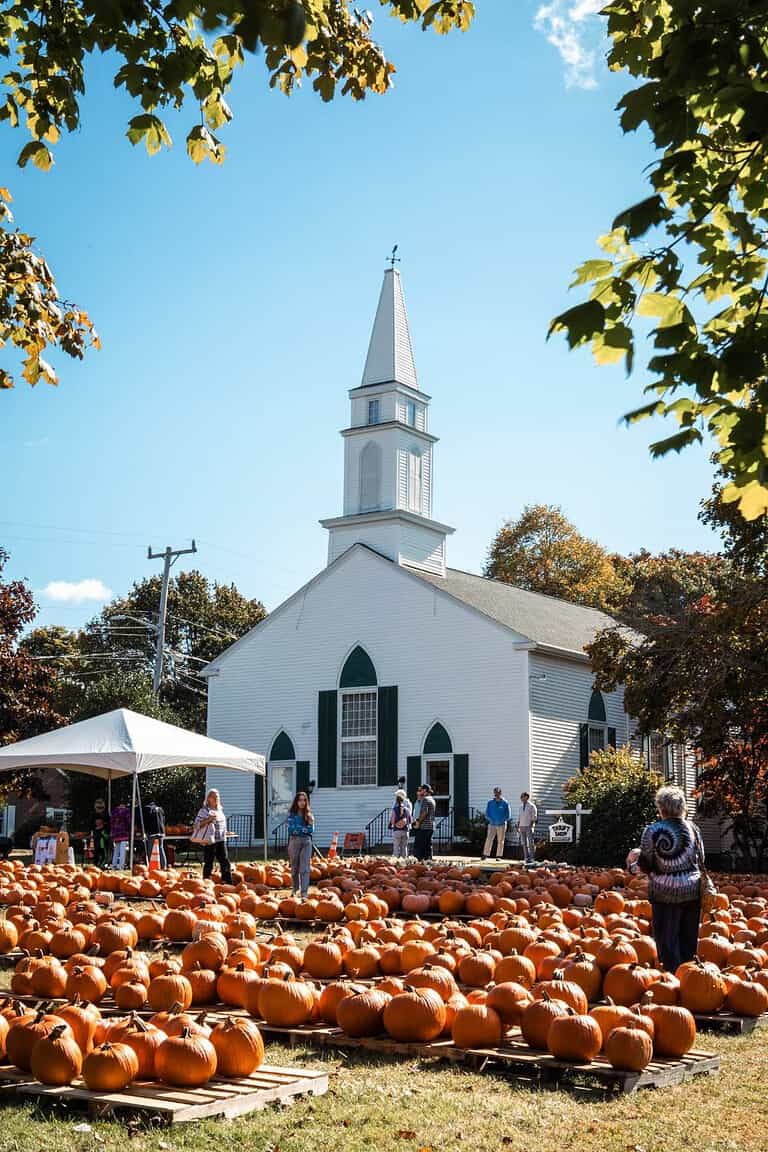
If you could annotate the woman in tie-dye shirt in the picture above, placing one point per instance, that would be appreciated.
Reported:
(672, 853)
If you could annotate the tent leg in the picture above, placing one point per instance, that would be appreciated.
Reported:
(264, 816)
(133, 821)
(141, 821)
(109, 792)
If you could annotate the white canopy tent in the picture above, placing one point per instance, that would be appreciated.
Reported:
(125, 743)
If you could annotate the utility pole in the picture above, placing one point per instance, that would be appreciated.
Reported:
(169, 557)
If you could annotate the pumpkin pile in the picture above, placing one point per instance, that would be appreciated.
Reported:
(62, 1044)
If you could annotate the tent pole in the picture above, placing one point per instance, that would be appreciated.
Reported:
(264, 815)
(133, 820)
(141, 821)
(109, 791)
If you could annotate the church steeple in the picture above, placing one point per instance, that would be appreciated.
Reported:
(388, 450)
(390, 355)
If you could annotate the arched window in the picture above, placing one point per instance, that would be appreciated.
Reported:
(282, 748)
(438, 741)
(370, 477)
(358, 704)
(596, 708)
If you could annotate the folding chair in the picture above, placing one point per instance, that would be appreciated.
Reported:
(353, 842)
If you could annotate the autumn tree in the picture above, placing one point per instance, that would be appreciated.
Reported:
(666, 583)
(690, 260)
(173, 55)
(543, 552)
(97, 662)
(702, 678)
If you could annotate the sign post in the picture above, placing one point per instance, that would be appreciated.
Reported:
(578, 812)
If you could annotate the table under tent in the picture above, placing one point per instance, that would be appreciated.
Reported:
(125, 743)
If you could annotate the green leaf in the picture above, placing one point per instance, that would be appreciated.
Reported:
(37, 152)
(676, 443)
(151, 130)
(752, 498)
(617, 342)
(591, 270)
(581, 323)
(642, 216)
(667, 309)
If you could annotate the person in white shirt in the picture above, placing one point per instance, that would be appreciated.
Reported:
(527, 816)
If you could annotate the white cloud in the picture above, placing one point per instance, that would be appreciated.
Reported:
(65, 592)
(570, 26)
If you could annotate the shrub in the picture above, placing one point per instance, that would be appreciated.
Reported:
(619, 789)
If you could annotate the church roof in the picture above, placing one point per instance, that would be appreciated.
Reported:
(390, 356)
(547, 621)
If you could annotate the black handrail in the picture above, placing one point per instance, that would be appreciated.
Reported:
(280, 836)
(376, 829)
(451, 825)
(242, 826)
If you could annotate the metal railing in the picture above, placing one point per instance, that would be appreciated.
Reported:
(242, 826)
(454, 824)
(376, 830)
(280, 836)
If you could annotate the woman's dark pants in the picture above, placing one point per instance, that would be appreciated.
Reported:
(676, 932)
(219, 851)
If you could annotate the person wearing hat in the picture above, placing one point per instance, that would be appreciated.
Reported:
(400, 819)
(424, 823)
(497, 813)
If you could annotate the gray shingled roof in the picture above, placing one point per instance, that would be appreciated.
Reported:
(543, 619)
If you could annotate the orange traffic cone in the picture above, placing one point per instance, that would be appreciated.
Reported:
(154, 860)
(332, 853)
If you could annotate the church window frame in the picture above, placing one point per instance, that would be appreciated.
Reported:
(358, 737)
(410, 413)
(597, 732)
(374, 411)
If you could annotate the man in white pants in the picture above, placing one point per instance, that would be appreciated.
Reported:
(497, 813)
(526, 823)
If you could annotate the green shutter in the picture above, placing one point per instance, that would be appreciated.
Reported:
(583, 746)
(413, 775)
(258, 806)
(326, 739)
(611, 737)
(460, 789)
(387, 737)
(302, 776)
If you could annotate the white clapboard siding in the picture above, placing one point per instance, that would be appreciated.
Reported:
(559, 705)
(402, 478)
(450, 663)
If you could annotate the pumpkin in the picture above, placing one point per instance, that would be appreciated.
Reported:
(433, 976)
(516, 968)
(418, 1014)
(144, 1038)
(24, 1034)
(88, 983)
(362, 1014)
(9, 937)
(674, 1028)
(186, 1061)
(238, 1045)
(286, 1003)
(747, 998)
(203, 982)
(477, 969)
(477, 1026)
(626, 983)
(558, 988)
(56, 1058)
(537, 1017)
(333, 994)
(49, 981)
(131, 996)
(113, 935)
(179, 924)
(83, 1019)
(164, 991)
(362, 963)
(324, 959)
(574, 1036)
(581, 969)
(110, 1067)
(210, 951)
(508, 1000)
(610, 1016)
(702, 988)
(629, 1047)
(615, 951)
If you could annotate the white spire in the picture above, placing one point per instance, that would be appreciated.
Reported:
(390, 356)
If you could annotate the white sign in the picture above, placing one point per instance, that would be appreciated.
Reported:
(560, 833)
(45, 850)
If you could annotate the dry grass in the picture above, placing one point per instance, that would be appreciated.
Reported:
(409, 1106)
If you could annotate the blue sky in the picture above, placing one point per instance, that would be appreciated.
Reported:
(235, 306)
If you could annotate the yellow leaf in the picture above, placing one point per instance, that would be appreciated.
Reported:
(752, 498)
(5, 195)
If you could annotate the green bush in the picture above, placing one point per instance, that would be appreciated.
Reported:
(620, 790)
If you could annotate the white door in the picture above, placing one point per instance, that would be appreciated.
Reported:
(438, 777)
(282, 785)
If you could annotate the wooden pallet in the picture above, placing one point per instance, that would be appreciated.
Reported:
(729, 1022)
(515, 1059)
(219, 1097)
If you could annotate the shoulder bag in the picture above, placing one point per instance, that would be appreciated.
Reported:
(707, 888)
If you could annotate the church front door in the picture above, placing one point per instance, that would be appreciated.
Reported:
(439, 780)
(282, 785)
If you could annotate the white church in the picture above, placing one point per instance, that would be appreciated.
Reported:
(390, 665)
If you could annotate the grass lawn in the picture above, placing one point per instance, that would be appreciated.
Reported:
(410, 1106)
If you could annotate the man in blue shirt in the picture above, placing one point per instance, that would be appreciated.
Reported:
(497, 813)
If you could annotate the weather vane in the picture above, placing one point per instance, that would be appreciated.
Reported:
(394, 259)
